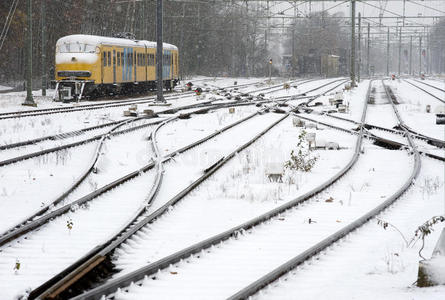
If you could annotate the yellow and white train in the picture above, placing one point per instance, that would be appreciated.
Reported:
(91, 66)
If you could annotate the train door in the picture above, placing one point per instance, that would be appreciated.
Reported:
(102, 64)
(172, 55)
(135, 65)
(114, 66)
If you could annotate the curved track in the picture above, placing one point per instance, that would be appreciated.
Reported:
(157, 164)
(291, 264)
(123, 282)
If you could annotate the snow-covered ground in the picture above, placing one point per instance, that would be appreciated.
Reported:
(370, 263)
(413, 108)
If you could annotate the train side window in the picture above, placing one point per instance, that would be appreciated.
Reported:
(114, 57)
(109, 58)
(122, 58)
(105, 59)
(118, 59)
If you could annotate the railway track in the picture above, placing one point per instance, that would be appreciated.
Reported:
(299, 259)
(87, 171)
(94, 106)
(82, 131)
(388, 142)
(430, 85)
(165, 207)
(424, 90)
(27, 224)
(167, 158)
(173, 154)
(167, 262)
(91, 167)
(330, 181)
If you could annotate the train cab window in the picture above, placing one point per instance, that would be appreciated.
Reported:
(105, 59)
(118, 59)
(109, 58)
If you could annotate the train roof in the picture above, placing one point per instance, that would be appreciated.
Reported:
(98, 40)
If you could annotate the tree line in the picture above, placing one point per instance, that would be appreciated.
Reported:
(214, 37)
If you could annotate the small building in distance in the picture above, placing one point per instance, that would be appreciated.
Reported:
(330, 65)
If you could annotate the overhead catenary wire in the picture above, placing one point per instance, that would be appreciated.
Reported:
(8, 22)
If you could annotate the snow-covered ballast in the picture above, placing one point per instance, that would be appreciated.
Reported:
(90, 66)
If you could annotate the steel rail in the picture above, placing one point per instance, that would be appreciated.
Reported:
(69, 276)
(89, 262)
(97, 137)
(57, 110)
(125, 280)
(143, 100)
(311, 98)
(90, 168)
(379, 141)
(29, 226)
(429, 140)
(46, 111)
(78, 143)
(422, 89)
(58, 136)
(314, 250)
(430, 85)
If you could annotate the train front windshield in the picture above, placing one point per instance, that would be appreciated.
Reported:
(76, 48)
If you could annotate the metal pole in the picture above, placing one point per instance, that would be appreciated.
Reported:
(44, 79)
(387, 53)
(428, 57)
(29, 101)
(368, 71)
(293, 52)
(352, 66)
(400, 49)
(411, 55)
(404, 12)
(293, 40)
(420, 56)
(359, 46)
(144, 21)
(159, 51)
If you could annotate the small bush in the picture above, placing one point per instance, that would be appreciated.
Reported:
(301, 158)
